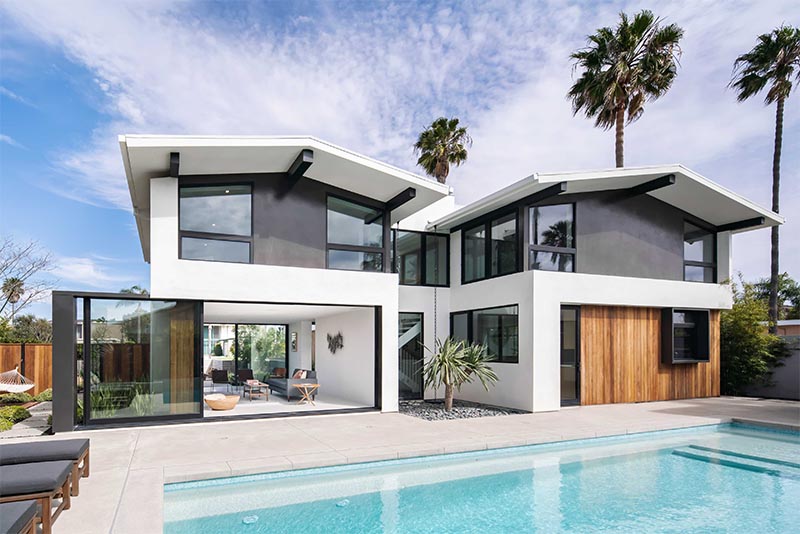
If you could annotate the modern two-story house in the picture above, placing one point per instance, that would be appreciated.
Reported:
(292, 261)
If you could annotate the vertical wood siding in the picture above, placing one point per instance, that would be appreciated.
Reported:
(38, 363)
(621, 359)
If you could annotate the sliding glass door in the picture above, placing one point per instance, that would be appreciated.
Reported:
(261, 348)
(570, 355)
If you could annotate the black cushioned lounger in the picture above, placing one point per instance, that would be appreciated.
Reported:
(18, 517)
(74, 450)
(42, 481)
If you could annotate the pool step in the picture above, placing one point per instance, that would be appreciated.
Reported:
(746, 462)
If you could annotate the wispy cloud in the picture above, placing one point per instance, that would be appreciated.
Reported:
(370, 76)
(95, 272)
(7, 139)
(8, 93)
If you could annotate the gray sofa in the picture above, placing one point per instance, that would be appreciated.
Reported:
(284, 386)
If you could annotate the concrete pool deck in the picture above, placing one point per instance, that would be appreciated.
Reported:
(129, 466)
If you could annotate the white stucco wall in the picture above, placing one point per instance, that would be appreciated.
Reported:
(171, 277)
(349, 374)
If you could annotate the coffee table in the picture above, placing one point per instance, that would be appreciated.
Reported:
(307, 390)
(257, 389)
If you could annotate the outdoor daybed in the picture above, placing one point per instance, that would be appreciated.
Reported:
(40, 481)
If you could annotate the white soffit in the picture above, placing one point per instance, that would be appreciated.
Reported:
(691, 193)
(148, 156)
(235, 312)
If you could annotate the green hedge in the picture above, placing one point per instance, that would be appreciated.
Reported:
(15, 414)
(15, 398)
(46, 395)
(5, 424)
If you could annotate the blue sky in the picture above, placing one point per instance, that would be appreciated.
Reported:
(368, 76)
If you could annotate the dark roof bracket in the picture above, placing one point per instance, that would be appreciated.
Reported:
(740, 225)
(174, 164)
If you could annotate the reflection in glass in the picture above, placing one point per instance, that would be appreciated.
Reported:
(142, 359)
(551, 261)
(504, 245)
(552, 226)
(474, 256)
(407, 262)
(193, 248)
(411, 356)
(354, 224)
(569, 354)
(498, 330)
(353, 260)
(460, 326)
(262, 348)
(436, 260)
(217, 209)
(698, 244)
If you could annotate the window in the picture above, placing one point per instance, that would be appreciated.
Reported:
(355, 236)
(497, 256)
(552, 238)
(699, 258)
(685, 336)
(216, 223)
(421, 258)
(495, 328)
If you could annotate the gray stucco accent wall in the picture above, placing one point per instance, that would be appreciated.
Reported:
(289, 223)
(639, 237)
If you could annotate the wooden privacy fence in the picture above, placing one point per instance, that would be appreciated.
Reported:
(35, 361)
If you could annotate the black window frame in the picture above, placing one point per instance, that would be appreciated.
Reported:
(704, 264)
(216, 236)
(471, 330)
(486, 222)
(382, 250)
(423, 260)
(573, 250)
(701, 329)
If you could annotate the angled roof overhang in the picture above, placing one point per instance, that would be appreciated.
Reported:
(688, 191)
(149, 156)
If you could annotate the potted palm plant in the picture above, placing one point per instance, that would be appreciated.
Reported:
(455, 363)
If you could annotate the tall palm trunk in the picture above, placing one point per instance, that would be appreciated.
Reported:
(620, 125)
(775, 251)
(448, 397)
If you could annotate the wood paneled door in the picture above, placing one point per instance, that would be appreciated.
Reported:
(621, 359)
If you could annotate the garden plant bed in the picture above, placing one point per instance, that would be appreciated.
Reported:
(434, 410)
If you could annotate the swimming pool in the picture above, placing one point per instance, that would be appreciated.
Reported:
(721, 478)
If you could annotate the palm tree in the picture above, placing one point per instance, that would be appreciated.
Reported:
(622, 69)
(13, 288)
(454, 364)
(772, 62)
(442, 143)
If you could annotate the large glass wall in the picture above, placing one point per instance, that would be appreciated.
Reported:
(552, 238)
(261, 348)
(142, 359)
(498, 256)
(411, 357)
(497, 329)
(699, 258)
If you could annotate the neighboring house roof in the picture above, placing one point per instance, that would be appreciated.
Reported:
(148, 156)
(691, 193)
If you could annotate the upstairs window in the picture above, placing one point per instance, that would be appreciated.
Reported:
(699, 254)
(355, 236)
(216, 222)
(421, 258)
(490, 249)
(552, 238)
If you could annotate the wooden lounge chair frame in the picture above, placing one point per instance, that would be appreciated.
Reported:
(80, 469)
(46, 516)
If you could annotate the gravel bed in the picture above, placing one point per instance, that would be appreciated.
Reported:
(434, 411)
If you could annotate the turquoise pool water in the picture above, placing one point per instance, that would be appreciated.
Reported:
(725, 478)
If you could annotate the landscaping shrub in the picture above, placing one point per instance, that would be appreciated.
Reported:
(46, 395)
(15, 398)
(15, 414)
(5, 424)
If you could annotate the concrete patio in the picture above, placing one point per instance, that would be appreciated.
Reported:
(130, 466)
